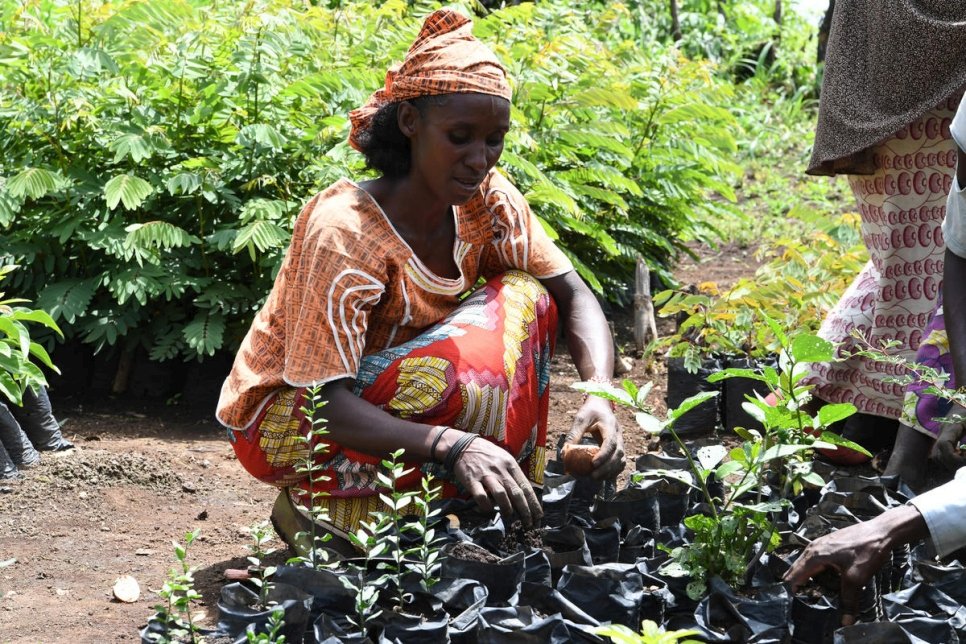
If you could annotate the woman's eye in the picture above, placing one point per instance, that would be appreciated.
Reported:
(495, 141)
(458, 138)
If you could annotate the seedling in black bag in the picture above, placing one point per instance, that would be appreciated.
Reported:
(276, 622)
(178, 594)
(316, 556)
(650, 633)
(738, 528)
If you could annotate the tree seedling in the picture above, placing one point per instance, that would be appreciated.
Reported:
(178, 594)
(734, 531)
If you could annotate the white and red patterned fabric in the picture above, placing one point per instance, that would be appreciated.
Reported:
(902, 207)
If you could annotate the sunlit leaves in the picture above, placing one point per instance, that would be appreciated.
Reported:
(127, 189)
(204, 333)
(159, 235)
(34, 183)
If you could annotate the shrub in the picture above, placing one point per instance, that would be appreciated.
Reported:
(155, 153)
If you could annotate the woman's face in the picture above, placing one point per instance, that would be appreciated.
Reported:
(455, 141)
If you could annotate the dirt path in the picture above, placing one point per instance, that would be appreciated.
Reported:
(145, 475)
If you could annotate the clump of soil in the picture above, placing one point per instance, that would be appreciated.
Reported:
(101, 468)
(517, 538)
(468, 551)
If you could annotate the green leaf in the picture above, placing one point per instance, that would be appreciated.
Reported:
(205, 332)
(690, 403)
(732, 372)
(35, 183)
(606, 391)
(727, 469)
(783, 451)
(159, 234)
(127, 189)
(832, 413)
(10, 388)
(260, 236)
(710, 455)
(811, 348)
(261, 134)
(68, 299)
(131, 145)
(648, 422)
(40, 317)
(838, 441)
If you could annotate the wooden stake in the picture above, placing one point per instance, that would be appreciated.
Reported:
(645, 325)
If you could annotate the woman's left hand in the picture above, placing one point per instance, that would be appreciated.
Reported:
(597, 416)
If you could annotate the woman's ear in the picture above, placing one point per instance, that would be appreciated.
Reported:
(406, 117)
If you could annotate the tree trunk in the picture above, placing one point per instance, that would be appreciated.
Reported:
(675, 21)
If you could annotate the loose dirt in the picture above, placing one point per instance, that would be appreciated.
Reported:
(146, 473)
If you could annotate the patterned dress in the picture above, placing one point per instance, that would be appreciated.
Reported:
(352, 300)
(895, 297)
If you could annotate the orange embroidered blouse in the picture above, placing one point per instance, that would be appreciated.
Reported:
(350, 286)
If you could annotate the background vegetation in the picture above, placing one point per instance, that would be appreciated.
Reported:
(153, 154)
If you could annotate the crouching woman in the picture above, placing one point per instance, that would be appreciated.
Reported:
(424, 303)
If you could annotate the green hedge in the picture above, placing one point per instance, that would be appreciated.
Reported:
(153, 154)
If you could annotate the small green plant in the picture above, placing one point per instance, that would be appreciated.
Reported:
(315, 554)
(650, 633)
(261, 534)
(17, 371)
(357, 578)
(797, 286)
(424, 557)
(397, 503)
(382, 542)
(933, 380)
(276, 622)
(178, 593)
(760, 474)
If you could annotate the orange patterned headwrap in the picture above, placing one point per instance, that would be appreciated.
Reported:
(445, 59)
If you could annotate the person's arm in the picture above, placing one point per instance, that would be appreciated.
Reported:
(592, 349)
(954, 289)
(488, 472)
(857, 553)
(946, 449)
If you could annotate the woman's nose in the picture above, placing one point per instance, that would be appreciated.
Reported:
(476, 157)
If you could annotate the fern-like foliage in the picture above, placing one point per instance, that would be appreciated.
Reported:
(156, 152)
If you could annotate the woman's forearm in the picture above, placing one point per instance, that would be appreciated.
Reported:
(954, 312)
(588, 335)
(359, 425)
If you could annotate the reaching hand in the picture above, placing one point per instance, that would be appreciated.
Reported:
(857, 553)
(596, 416)
(946, 450)
(493, 477)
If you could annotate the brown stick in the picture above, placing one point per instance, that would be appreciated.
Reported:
(645, 325)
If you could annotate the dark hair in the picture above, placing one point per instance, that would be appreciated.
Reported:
(384, 146)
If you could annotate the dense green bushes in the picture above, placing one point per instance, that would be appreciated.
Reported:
(154, 153)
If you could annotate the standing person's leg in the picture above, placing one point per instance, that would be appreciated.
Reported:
(922, 411)
(36, 417)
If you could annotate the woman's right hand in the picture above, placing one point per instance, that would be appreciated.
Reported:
(946, 449)
(494, 479)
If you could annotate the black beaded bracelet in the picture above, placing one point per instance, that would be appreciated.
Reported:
(432, 449)
(457, 450)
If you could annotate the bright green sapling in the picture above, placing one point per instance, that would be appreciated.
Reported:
(381, 541)
(178, 593)
(314, 554)
(734, 529)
